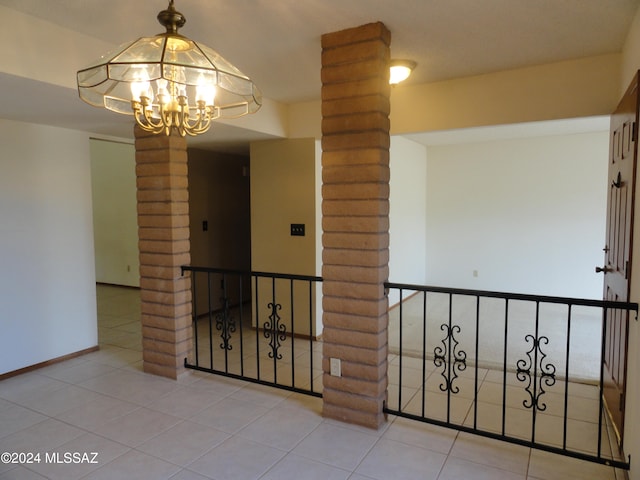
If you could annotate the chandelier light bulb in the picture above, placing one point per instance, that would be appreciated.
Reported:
(139, 90)
(162, 92)
(205, 92)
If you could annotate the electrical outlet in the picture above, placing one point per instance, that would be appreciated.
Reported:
(336, 367)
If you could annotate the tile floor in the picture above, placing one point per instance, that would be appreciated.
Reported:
(207, 427)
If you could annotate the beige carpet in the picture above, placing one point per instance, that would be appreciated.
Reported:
(584, 345)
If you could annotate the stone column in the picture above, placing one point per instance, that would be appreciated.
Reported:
(355, 208)
(163, 229)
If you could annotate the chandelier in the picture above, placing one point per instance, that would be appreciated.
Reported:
(169, 82)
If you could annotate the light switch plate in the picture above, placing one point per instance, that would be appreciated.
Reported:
(297, 229)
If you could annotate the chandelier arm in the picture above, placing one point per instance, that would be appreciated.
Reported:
(209, 118)
(178, 118)
(167, 118)
(148, 128)
(200, 127)
(183, 114)
(142, 116)
(202, 123)
(200, 117)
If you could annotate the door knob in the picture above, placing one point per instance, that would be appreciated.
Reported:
(604, 269)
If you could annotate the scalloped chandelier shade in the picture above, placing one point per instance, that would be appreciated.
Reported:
(169, 82)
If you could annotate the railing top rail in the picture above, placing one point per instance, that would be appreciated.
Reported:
(518, 296)
(193, 268)
(227, 271)
(287, 276)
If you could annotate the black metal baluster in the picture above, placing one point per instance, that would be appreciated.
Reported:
(566, 381)
(241, 286)
(475, 384)
(400, 354)
(274, 331)
(210, 316)
(195, 315)
(536, 383)
(222, 321)
(267, 327)
(311, 334)
(449, 379)
(257, 330)
(504, 366)
(534, 406)
(424, 350)
(450, 358)
(601, 396)
(227, 326)
(293, 333)
(272, 326)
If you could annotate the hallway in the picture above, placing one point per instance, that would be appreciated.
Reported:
(208, 427)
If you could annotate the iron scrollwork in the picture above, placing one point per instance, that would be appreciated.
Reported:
(442, 356)
(225, 324)
(547, 373)
(274, 331)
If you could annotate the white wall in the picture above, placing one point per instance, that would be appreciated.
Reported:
(407, 214)
(47, 286)
(115, 221)
(528, 215)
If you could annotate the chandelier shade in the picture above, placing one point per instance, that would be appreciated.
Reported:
(169, 81)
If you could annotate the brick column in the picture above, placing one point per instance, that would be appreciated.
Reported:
(163, 229)
(355, 208)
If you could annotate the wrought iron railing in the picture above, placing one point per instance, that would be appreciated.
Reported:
(256, 326)
(521, 368)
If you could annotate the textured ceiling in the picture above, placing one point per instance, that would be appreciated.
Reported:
(277, 42)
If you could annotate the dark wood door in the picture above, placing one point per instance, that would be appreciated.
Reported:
(618, 249)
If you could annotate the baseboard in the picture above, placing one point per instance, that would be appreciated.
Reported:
(46, 363)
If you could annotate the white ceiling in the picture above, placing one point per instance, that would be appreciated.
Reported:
(277, 42)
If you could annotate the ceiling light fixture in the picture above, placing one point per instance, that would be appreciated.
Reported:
(169, 82)
(400, 70)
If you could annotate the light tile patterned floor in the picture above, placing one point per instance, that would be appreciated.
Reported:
(207, 427)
